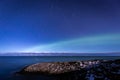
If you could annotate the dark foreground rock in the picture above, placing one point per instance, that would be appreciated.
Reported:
(58, 67)
(78, 70)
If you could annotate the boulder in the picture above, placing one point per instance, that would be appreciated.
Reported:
(56, 67)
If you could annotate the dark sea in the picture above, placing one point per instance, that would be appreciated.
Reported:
(11, 64)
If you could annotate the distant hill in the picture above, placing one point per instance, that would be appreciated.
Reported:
(60, 54)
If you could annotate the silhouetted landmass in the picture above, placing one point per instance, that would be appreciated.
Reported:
(77, 70)
(60, 54)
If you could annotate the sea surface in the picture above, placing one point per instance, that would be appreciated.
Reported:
(11, 64)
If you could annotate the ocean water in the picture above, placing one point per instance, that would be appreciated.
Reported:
(11, 64)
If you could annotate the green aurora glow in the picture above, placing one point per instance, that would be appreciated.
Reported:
(101, 43)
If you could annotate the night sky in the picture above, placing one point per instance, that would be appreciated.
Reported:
(60, 26)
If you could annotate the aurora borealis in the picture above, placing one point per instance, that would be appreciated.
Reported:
(80, 26)
(95, 44)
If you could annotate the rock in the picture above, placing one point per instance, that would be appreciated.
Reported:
(52, 68)
(57, 67)
(78, 70)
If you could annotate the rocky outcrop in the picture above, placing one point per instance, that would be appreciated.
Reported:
(78, 70)
(58, 67)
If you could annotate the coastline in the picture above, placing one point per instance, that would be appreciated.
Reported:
(97, 69)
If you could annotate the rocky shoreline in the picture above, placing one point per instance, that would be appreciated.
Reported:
(77, 70)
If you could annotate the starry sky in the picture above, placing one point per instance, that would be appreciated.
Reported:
(60, 26)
